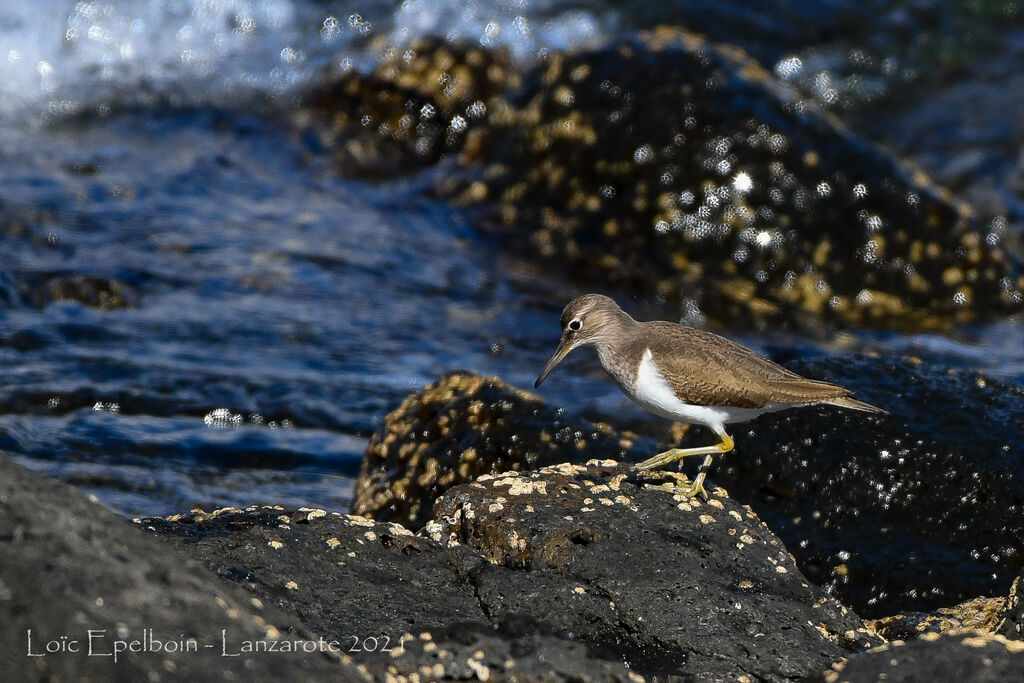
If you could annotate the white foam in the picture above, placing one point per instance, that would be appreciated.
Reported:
(523, 27)
(61, 57)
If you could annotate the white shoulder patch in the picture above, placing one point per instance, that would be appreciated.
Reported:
(653, 392)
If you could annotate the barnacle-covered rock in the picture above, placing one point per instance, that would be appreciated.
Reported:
(416, 105)
(461, 427)
(683, 168)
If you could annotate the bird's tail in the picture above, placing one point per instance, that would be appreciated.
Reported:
(854, 404)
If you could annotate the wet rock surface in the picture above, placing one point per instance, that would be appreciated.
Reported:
(970, 656)
(573, 563)
(459, 428)
(915, 510)
(68, 565)
(673, 165)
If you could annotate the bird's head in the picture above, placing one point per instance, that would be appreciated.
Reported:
(587, 320)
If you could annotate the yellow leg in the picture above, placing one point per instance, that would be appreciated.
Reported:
(673, 454)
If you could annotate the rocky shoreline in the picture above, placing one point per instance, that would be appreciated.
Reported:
(547, 566)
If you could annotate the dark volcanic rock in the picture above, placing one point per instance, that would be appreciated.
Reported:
(68, 565)
(966, 656)
(699, 589)
(344, 575)
(570, 571)
(395, 601)
(458, 428)
(915, 510)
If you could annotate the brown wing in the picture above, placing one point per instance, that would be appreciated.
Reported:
(706, 369)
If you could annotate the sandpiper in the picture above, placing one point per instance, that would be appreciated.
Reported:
(687, 374)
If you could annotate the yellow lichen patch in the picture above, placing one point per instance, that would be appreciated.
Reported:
(716, 504)
(825, 633)
(975, 641)
(292, 586)
(745, 584)
(602, 463)
(359, 520)
(482, 672)
(521, 487)
(781, 570)
(707, 519)
(616, 482)
(276, 545)
(566, 468)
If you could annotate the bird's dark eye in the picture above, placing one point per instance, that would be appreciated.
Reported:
(575, 325)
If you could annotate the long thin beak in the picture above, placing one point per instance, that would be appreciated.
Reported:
(561, 352)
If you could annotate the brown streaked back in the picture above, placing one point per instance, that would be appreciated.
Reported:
(706, 369)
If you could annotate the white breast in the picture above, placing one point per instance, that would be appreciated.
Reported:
(653, 392)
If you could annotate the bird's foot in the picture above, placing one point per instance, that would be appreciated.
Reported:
(688, 491)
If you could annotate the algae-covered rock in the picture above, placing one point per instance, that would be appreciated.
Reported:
(681, 168)
(415, 106)
(458, 428)
(1012, 624)
(979, 614)
(97, 292)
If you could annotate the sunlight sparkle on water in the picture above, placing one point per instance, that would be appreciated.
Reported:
(742, 182)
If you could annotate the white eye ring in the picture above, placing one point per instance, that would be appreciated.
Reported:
(575, 325)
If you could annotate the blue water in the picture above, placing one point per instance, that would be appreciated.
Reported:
(278, 311)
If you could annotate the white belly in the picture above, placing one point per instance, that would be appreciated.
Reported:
(655, 394)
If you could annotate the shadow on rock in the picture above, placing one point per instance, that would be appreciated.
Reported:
(919, 509)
